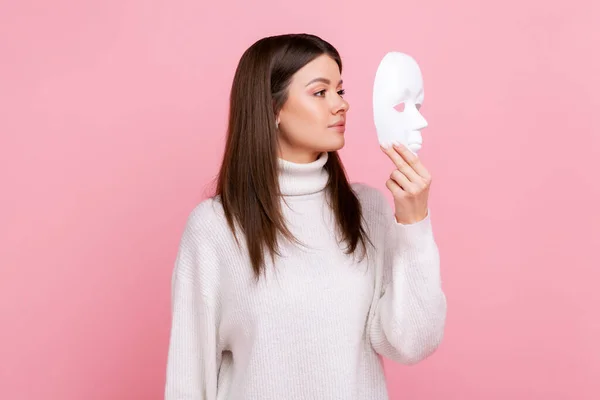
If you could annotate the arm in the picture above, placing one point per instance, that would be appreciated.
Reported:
(193, 359)
(409, 317)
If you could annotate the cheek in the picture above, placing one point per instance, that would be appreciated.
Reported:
(308, 112)
(313, 107)
(398, 117)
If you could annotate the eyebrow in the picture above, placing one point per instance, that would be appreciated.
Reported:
(324, 80)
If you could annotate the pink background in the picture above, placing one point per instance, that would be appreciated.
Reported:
(112, 117)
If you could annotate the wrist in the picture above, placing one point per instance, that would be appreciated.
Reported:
(409, 220)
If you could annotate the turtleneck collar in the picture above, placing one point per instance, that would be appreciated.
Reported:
(297, 179)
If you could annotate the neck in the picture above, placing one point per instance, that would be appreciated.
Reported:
(295, 154)
(297, 179)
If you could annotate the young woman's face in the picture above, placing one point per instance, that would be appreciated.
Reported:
(312, 120)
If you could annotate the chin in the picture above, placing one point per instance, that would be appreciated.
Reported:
(325, 146)
(335, 145)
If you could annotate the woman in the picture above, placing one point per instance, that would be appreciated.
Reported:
(290, 282)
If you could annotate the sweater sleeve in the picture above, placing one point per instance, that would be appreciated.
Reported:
(193, 358)
(407, 324)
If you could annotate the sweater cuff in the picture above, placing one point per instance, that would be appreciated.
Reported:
(415, 233)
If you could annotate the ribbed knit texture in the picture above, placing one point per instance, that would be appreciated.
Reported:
(314, 328)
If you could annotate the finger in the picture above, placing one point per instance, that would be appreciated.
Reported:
(401, 164)
(413, 160)
(401, 180)
(394, 188)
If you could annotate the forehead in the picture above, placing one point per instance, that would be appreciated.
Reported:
(399, 75)
(321, 67)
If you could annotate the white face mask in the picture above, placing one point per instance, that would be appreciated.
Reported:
(397, 97)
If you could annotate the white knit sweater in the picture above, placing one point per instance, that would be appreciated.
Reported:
(315, 327)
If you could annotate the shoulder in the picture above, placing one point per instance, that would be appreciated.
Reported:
(377, 213)
(199, 255)
(207, 221)
(206, 215)
(205, 228)
(376, 210)
(371, 199)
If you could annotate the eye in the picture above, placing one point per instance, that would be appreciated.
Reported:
(399, 107)
(418, 106)
(321, 93)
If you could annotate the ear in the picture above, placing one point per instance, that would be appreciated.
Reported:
(276, 116)
(277, 120)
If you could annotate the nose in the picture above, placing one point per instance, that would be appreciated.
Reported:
(341, 105)
(420, 121)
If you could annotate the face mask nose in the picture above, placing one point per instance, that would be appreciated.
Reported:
(418, 122)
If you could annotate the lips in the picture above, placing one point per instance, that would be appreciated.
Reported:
(339, 123)
(415, 139)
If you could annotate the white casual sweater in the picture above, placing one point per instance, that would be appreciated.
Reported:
(315, 327)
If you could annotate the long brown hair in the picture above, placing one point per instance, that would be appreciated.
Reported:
(248, 182)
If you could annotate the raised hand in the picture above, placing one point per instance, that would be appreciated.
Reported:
(409, 184)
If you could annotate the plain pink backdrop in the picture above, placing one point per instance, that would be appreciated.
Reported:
(112, 118)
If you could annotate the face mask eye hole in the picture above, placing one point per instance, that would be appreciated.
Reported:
(418, 106)
(399, 107)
